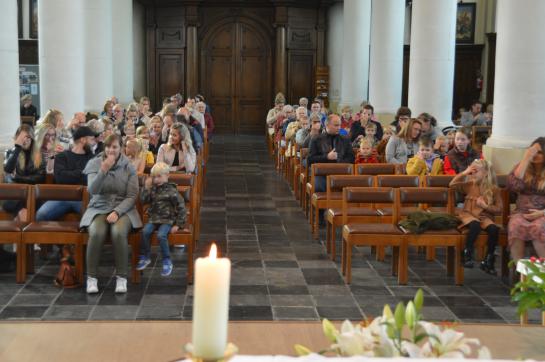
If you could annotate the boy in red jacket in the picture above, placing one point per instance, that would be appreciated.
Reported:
(366, 154)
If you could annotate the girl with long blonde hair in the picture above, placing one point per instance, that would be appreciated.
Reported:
(46, 146)
(178, 153)
(482, 201)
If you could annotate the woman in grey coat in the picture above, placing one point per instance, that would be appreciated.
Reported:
(112, 183)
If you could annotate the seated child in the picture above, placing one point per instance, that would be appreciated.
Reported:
(389, 131)
(166, 213)
(482, 200)
(366, 154)
(133, 151)
(441, 146)
(425, 162)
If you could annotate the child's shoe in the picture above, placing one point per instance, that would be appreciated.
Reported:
(143, 262)
(468, 258)
(487, 265)
(167, 268)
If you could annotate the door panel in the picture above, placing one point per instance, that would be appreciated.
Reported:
(236, 77)
(170, 73)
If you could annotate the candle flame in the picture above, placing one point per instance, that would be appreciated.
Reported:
(213, 251)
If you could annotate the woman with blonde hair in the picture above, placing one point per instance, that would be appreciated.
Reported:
(108, 109)
(404, 145)
(178, 153)
(55, 118)
(133, 151)
(46, 146)
(527, 221)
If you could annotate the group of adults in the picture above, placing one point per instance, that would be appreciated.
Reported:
(329, 138)
(91, 151)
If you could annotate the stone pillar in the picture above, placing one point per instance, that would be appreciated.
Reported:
(61, 56)
(431, 67)
(355, 55)
(9, 75)
(386, 59)
(519, 87)
(334, 39)
(122, 50)
(98, 63)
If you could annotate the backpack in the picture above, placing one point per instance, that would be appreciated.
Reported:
(419, 221)
(66, 276)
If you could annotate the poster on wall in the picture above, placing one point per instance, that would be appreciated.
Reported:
(29, 83)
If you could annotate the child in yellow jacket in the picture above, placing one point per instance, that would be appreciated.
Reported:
(425, 162)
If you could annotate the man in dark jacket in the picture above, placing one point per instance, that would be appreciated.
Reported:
(68, 169)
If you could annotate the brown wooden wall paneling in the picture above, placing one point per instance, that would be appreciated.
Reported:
(170, 72)
(301, 68)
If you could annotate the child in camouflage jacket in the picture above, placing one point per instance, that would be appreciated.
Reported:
(166, 213)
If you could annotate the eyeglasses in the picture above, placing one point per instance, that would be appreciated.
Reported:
(403, 118)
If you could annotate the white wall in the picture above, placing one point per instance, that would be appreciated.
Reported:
(139, 41)
(334, 39)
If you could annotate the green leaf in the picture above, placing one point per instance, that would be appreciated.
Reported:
(419, 300)
(420, 337)
(399, 315)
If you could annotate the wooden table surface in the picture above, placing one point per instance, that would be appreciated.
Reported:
(163, 341)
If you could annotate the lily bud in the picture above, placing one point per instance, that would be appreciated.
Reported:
(419, 300)
(399, 315)
(329, 330)
(410, 314)
(387, 312)
(301, 350)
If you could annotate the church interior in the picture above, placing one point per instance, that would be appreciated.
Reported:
(199, 172)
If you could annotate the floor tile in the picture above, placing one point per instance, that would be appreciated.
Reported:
(22, 312)
(295, 313)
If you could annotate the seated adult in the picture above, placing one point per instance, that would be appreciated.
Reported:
(208, 120)
(272, 115)
(330, 147)
(461, 155)
(178, 153)
(155, 134)
(68, 170)
(429, 126)
(370, 110)
(309, 130)
(192, 125)
(527, 221)
(316, 107)
(404, 145)
(474, 117)
(284, 118)
(27, 109)
(402, 117)
(111, 213)
(23, 166)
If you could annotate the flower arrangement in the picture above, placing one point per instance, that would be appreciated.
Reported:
(401, 333)
(529, 292)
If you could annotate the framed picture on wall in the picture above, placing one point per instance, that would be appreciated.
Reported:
(20, 17)
(465, 23)
(33, 19)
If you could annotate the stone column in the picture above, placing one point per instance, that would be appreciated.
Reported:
(519, 87)
(334, 40)
(431, 67)
(61, 56)
(122, 50)
(98, 63)
(9, 75)
(355, 55)
(386, 59)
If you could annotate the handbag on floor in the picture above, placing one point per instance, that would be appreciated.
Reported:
(66, 276)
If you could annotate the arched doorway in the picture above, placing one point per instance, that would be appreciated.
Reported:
(236, 75)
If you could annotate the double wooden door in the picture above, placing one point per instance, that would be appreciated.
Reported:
(235, 77)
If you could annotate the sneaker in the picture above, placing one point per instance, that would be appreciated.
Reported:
(167, 268)
(121, 285)
(92, 285)
(143, 262)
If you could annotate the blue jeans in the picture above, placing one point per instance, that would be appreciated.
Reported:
(55, 210)
(162, 236)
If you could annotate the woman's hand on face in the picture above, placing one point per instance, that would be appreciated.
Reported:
(112, 217)
(534, 214)
(20, 139)
(532, 151)
(107, 163)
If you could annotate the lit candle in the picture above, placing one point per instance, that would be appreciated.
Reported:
(211, 305)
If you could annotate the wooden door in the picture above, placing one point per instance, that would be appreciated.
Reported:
(236, 69)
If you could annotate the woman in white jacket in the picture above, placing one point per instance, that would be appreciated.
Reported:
(178, 153)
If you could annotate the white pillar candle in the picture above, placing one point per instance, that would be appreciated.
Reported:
(211, 305)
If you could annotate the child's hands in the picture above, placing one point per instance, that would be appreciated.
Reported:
(174, 229)
(470, 170)
(419, 155)
(148, 183)
(482, 203)
(534, 214)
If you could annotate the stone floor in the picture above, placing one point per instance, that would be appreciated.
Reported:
(279, 272)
